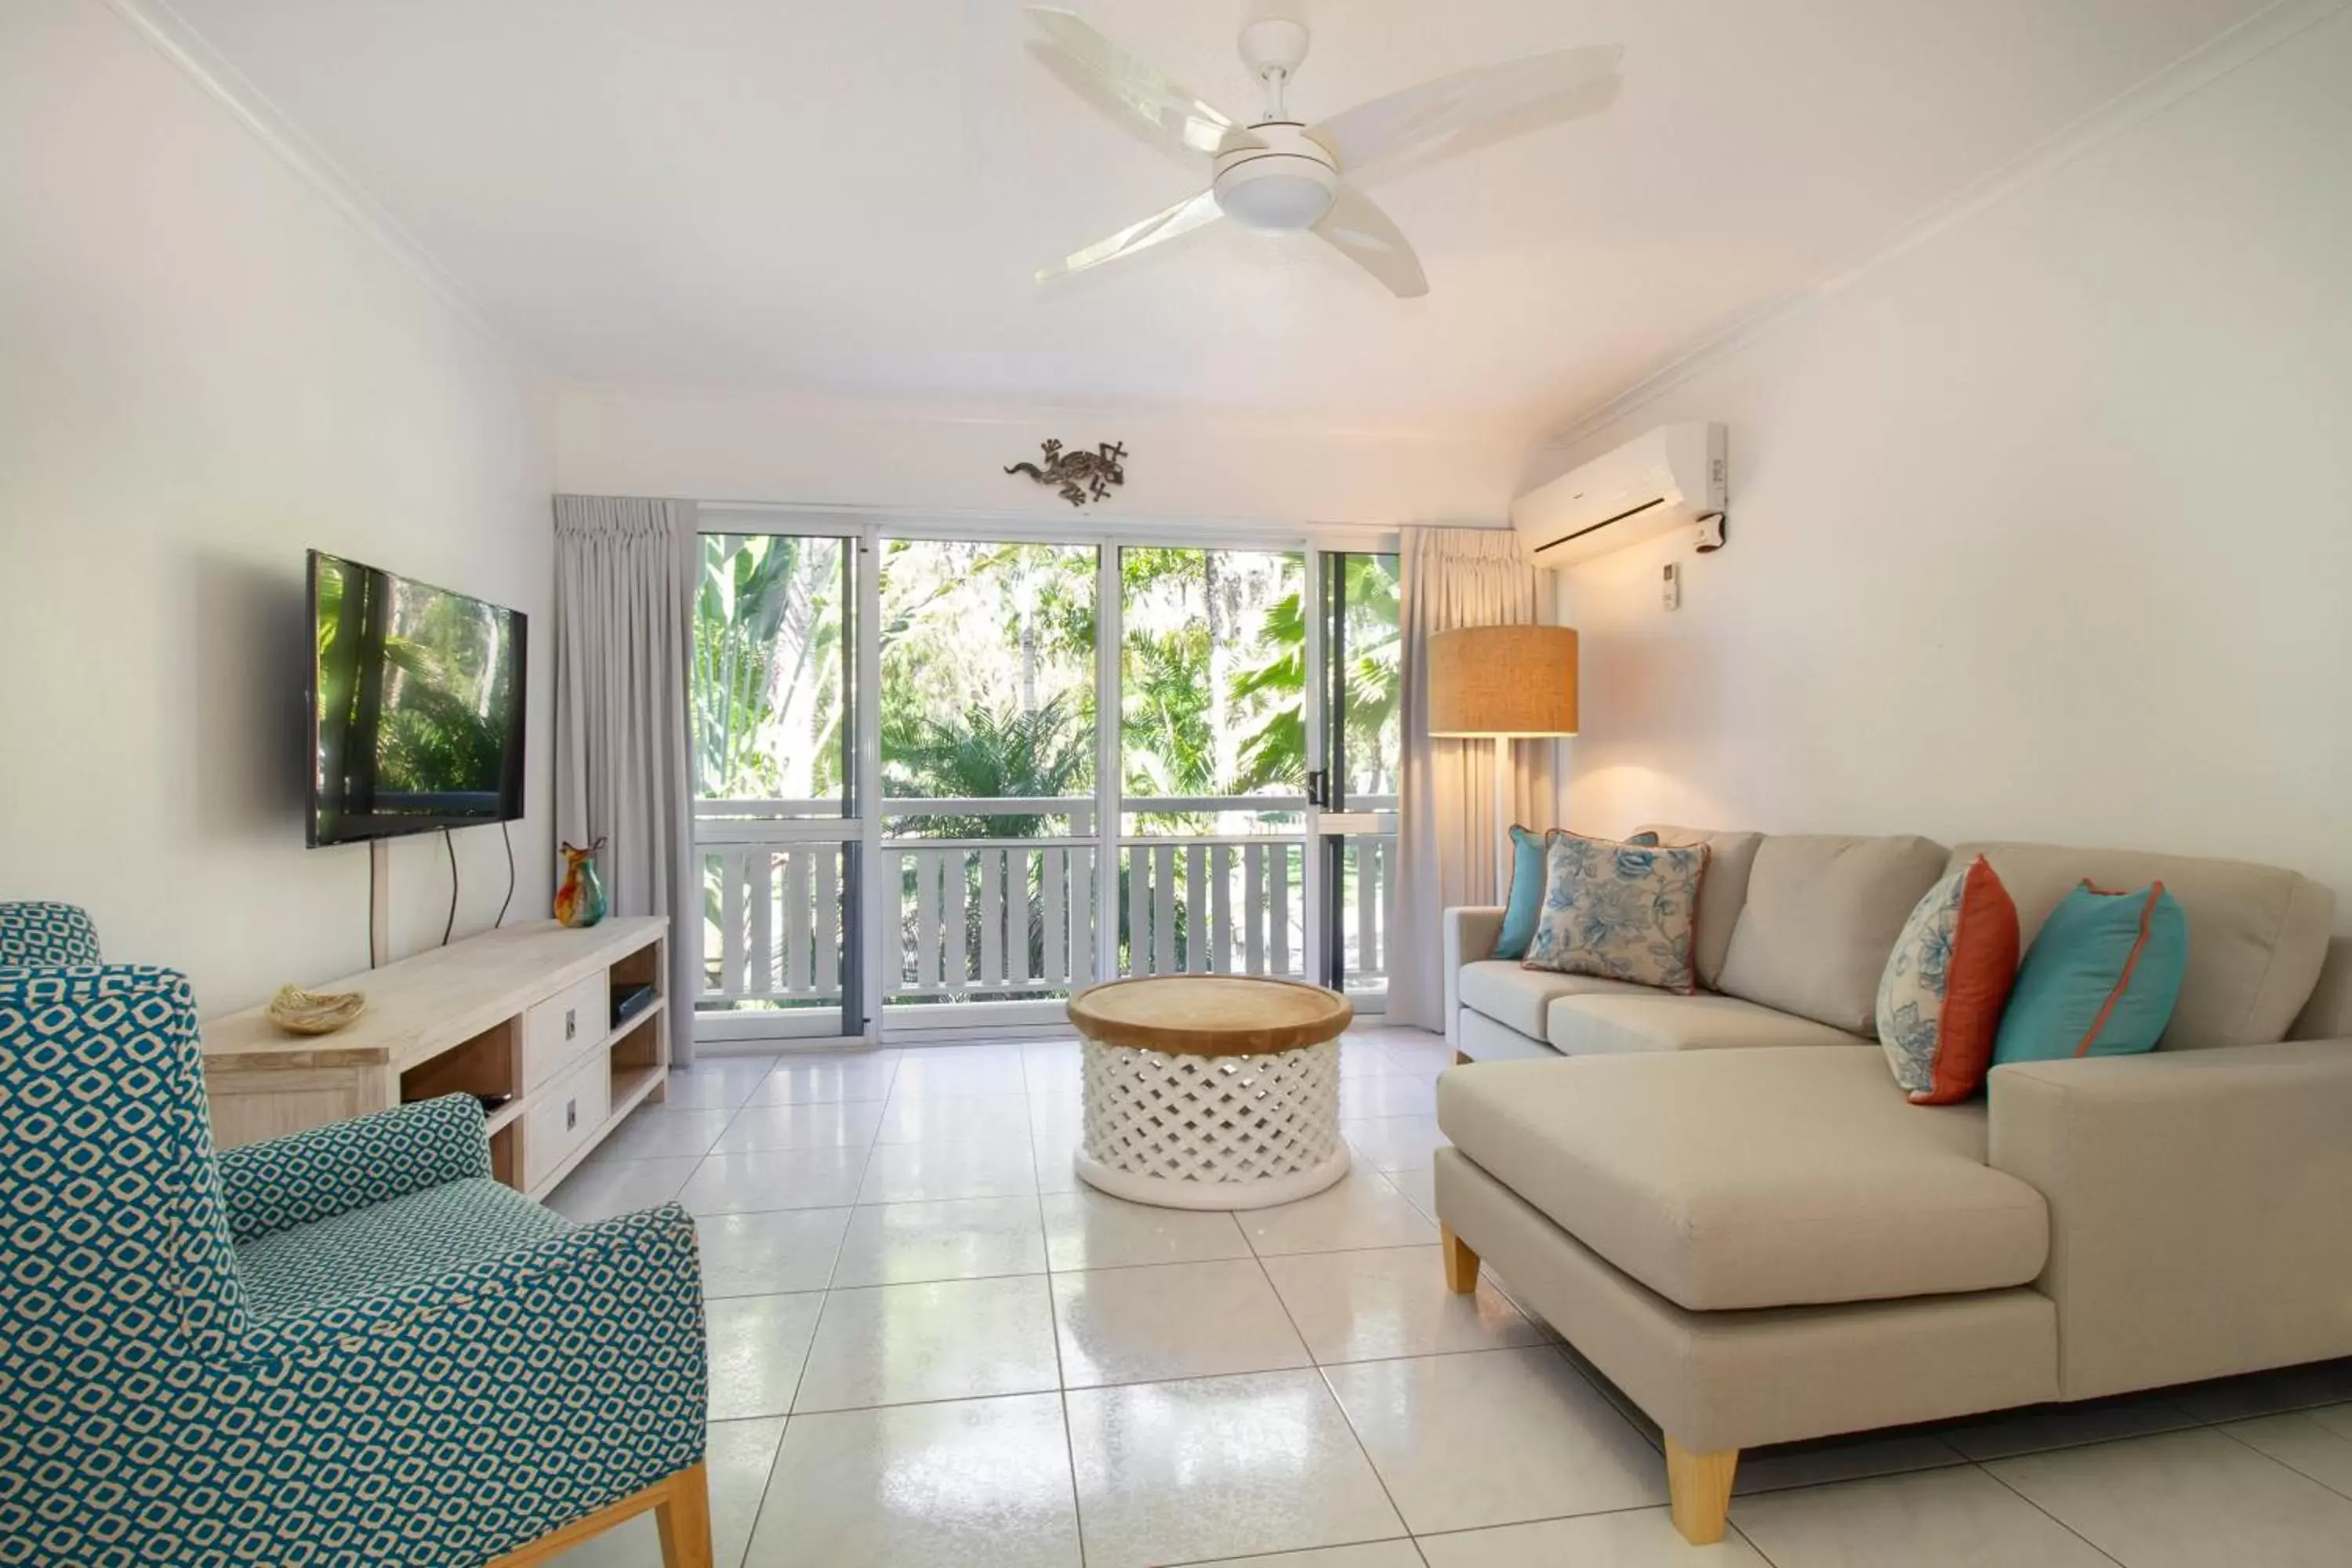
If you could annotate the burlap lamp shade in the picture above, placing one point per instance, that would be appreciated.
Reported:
(1503, 680)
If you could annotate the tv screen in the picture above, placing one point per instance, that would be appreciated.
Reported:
(416, 702)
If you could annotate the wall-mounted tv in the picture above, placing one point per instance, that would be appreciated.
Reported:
(415, 699)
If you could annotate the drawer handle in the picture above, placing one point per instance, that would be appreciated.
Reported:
(571, 1114)
(571, 1022)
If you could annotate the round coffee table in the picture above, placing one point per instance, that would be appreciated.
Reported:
(1210, 1091)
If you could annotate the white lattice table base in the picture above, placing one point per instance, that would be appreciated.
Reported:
(1212, 1131)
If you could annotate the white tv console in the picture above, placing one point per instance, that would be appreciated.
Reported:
(523, 1011)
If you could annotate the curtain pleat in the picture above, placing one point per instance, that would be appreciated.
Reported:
(1446, 832)
(624, 647)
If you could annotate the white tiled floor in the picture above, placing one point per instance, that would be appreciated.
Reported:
(931, 1344)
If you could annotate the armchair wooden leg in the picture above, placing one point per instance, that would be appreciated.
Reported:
(681, 1511)
(1461, 1057)
(1700, 1488)
(683, 1518)
(1461, 1263)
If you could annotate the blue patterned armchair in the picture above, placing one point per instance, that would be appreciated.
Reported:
(346, 1347)
(43, 936)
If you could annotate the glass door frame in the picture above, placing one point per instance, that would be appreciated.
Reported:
(1331, 817)
(871, 887)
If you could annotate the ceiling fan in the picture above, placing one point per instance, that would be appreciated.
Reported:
(1282, 175)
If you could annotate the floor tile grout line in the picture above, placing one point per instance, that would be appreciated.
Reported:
(1333, 1394)
(1061, 1386)
(2223, 1428)
(1292, 1551)
(1997, 1480)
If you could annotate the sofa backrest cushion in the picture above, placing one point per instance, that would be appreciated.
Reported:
(1821, 915)
(2328, 1014)
(1721, 892)
(2257, 934)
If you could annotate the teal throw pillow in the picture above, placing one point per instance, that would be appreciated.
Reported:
(1525, 900)
(2100, 979)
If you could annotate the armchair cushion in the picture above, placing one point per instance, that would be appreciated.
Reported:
(45, 936)
(345, 1165)
(382, 1245)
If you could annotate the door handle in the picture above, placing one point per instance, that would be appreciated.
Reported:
(1319, 787)
(571, 1022)
(571, 1114)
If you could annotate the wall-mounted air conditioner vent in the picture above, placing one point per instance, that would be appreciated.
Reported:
(1672, 477)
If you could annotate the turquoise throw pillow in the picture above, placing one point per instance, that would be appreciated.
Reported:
(1525, 901)
(2100, 979)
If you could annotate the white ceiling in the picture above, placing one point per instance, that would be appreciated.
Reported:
(851, 197)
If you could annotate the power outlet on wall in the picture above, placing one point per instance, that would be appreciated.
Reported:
(1670, 585)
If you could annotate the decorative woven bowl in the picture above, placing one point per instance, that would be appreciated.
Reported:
(299, 1012)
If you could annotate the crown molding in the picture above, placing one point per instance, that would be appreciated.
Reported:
(2192, 73)
(177, 41)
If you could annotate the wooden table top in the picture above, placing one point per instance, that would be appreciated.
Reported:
(419, 1006)
(1210, 1014)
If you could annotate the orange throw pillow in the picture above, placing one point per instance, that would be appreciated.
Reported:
(1941, 998)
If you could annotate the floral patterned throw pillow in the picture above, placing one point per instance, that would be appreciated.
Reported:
(1941, 995)
(1623, 912)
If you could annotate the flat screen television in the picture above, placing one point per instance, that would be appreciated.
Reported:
(415, 699)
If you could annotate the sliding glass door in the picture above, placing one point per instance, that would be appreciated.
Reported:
(990, 819)
(1212, 682)
(944, 780)
(777, 831)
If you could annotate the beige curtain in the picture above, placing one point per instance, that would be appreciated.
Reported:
(624, 647)
(1446, 832)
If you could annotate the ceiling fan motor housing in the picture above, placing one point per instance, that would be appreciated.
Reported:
(1282, 186)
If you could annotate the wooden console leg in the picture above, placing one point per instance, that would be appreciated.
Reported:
(1461, 1263)
(682, 1519)
(1699, 1487)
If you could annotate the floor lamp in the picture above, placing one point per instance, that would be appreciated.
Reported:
(1502, 683)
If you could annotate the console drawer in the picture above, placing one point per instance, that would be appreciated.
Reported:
(567, 1114)
(558, 1029)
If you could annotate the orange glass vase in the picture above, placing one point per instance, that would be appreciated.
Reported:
(580, 900)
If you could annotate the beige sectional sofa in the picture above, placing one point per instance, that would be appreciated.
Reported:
(1724, 1202)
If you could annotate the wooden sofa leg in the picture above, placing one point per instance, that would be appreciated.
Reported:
(1461, 1263)
(683, 1518)
(1699, 1487)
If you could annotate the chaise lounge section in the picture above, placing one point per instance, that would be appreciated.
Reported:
(1770, 1243)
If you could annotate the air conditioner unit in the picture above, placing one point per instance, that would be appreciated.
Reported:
(1670, 479)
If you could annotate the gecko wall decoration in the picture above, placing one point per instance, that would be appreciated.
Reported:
(1081, 477)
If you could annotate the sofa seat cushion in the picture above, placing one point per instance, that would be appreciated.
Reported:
(421, 1235)
(1763, 1178)
(1645, 1020)
(1511, 994)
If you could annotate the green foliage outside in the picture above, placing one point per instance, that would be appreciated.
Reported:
(988, 682)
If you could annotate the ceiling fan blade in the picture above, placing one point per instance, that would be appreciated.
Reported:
(1185, 216)
(1142, 92)
(1371, 237)
(1436, 111)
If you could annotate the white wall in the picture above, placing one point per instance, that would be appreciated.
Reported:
(205, 368)
(2042, 527)
(716, 446)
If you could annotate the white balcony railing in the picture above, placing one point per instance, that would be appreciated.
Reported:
(986, 918)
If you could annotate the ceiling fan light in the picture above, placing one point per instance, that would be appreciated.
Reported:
(1277, 202)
